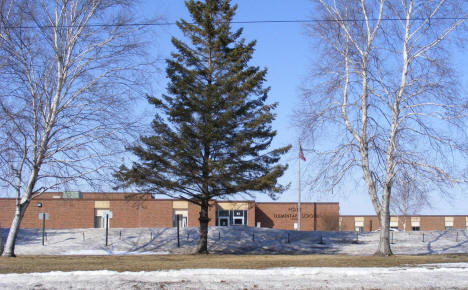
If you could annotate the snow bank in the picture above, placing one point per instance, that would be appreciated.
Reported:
(426, 277)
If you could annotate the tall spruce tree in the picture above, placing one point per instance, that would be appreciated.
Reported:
(212, 131)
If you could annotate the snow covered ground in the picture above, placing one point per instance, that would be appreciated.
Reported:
(233, 240)
(449, 276)
(242, 240)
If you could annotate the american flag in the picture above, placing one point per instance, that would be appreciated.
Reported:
(301, 154)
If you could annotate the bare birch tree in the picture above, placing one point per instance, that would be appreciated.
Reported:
(69, 71)
(386, 97)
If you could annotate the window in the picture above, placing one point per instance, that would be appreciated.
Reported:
(394, 222)
(416, 223)
(449, 223)
(359, 224)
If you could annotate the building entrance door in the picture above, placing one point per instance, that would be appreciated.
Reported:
(100, 218)
(238, 221)
(223, 221)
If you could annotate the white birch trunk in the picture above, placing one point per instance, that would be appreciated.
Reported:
(9, 249)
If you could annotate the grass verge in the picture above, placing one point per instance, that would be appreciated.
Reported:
(29, 264)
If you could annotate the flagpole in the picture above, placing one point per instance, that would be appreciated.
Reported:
(299, 191)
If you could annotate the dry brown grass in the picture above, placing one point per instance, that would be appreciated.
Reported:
(27, 264)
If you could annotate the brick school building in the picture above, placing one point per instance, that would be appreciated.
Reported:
(64, 210)
(75, 209)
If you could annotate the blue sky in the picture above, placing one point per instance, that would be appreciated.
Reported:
(286, 51)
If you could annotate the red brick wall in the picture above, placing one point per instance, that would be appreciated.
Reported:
(432, 223)
(251, 215)
(327, 217)
(7, 209)
(194, 214)
(314, 216)
(459, 222)
(79, 213)
(141, 213)
(372, 223)
(63, 213)
(347, 223)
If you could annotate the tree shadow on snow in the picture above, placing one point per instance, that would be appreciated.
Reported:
(448, 235)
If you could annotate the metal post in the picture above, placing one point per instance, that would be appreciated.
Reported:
(107, 228)
(253, 236)
(43, 228)
(83, 236)
(457, 238)
(219, 235)
(178, 240)
(391, 233)
(288, 238)
(423, 237)
(299, 193)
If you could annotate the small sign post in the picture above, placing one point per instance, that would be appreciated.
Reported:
(108, 215)
(43, 216)
(178, 229)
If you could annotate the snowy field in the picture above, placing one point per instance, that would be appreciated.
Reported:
(242, 240)
(234, 240)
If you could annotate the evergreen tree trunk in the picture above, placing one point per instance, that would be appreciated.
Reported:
(202, 247)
